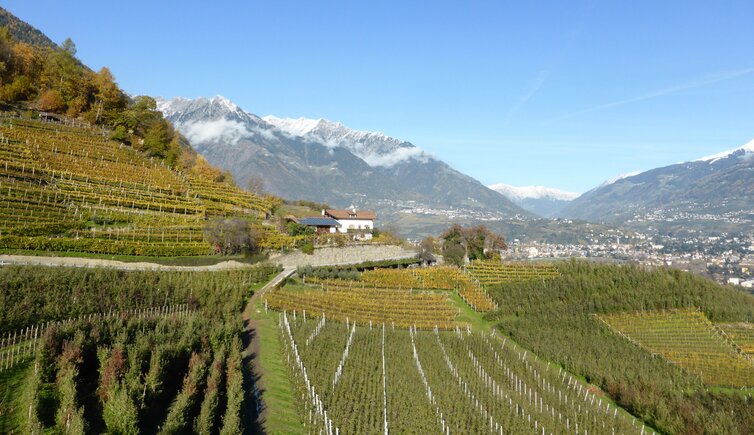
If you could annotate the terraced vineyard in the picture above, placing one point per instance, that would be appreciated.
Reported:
(413, 381)
(65, 188)
(342, 301)
(489, 273)
(742, 334)
(437, 278)
(687, 338)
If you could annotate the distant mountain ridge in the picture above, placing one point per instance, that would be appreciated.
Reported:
(322, 160)
(719, 185)
(375, 148)
(544, 201)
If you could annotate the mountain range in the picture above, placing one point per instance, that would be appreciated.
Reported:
(544, 201)
(322, 160)
(715, 191)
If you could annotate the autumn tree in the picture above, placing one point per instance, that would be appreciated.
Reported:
(255, 184)
(463, 244)
(231, 236)
(427, 249)
(51, 101)
(63, 73)
(108, 96)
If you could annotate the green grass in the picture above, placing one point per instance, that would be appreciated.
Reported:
(207, 260)
(469, 315)
(296, 210)
(299, 286)
(282, 416)
(11, 383)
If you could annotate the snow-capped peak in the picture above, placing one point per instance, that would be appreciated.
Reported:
(321, 126)
(297, 126)
(533, 192)
(217, 118)
(748, 148)
(375, 148)
(224, 102)
(214, 106)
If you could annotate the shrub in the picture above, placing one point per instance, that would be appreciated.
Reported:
(51, 101)
(308, 248)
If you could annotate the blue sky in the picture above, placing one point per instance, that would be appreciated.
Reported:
(563, 94)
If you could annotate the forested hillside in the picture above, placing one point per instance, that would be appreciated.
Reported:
(24, 32)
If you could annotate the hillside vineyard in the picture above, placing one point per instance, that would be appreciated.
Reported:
(65, 188)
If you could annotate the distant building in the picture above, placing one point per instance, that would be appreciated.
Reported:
(357, 222)
(323, 225)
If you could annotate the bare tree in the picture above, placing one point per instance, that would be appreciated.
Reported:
(255, 184)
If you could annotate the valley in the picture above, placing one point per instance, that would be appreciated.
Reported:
(185, 266)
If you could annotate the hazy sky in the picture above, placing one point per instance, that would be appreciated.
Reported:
(564, 94)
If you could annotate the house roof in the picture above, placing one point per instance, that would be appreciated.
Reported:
(318, 221)
(350, 214)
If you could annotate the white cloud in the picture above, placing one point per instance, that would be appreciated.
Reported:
(393, 158)
(267, 134)
(221, 130)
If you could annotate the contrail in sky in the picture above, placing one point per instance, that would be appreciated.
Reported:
(530, 92)
(705, 81)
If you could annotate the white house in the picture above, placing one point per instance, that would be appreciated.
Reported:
(358, 222)
(321, 225)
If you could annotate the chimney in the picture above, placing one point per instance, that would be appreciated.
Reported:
(323, 212)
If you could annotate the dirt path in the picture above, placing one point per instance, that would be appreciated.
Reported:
(256, 412)
(113, 264)
(321, 257)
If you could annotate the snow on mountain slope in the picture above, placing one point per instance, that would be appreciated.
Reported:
(376, 149)
(716, 185)
(204, 120)
(745, 150)
(533, 192)
(748, 148)
(544, 201)
(296, 127)
(619, 177)
(321, 160)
